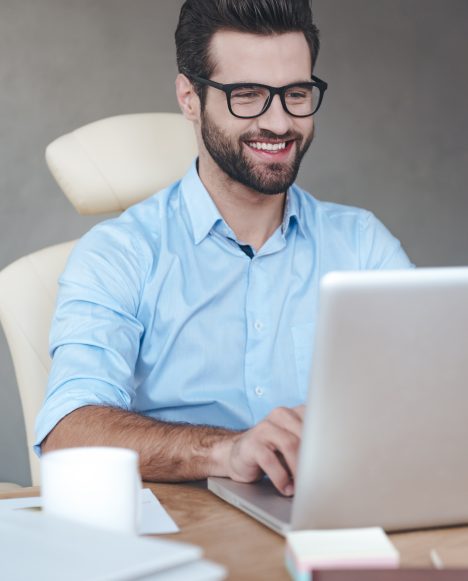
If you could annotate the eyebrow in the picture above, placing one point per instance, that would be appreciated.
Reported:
(244, 82)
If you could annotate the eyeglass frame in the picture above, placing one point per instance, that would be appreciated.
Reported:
(230, 87)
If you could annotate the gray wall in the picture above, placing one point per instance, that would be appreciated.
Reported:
(392, 134)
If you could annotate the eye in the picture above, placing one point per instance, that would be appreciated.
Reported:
(248, 94)
(298, 94)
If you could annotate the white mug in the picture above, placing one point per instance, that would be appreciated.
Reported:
(97, 486)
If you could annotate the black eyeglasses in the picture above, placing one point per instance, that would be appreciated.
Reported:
(249, 100)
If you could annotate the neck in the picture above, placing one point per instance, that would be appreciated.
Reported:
(252, 216)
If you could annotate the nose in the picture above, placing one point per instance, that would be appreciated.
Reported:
(275, 119)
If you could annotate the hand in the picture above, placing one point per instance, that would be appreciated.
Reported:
(271, 448)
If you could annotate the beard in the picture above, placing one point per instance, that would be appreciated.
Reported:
(265, 178)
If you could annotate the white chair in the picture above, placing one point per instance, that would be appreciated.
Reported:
(102, 167)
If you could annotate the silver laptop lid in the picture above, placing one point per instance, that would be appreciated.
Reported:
(386, 427)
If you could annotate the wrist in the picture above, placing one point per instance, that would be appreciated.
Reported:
(221, 454)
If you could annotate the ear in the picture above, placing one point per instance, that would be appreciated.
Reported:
(188, 99)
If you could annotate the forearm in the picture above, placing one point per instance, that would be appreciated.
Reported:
(168, 452)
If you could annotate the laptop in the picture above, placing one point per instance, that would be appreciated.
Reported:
(385, 436)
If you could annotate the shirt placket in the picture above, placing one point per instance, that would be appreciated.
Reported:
(259, 339)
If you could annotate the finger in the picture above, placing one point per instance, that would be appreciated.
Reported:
(287, 447)
(276, 472)
(287, 419)
(255, 449)
(300, 411)
(280, 440)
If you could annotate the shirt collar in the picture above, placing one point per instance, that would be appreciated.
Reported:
(202, 210)
(204, 214)
(292, 211)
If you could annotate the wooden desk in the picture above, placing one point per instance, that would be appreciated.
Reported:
(249, 550)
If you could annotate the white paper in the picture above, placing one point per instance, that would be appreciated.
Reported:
(155, 520)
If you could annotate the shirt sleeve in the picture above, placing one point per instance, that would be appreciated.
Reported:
(96, 332)
(378, 248)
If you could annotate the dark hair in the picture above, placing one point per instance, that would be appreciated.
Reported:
(200, 19)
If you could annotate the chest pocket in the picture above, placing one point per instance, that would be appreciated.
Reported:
(303, 340)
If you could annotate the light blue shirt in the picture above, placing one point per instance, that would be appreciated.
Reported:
(160, 312)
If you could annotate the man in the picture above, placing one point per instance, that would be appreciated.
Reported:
(184, 327)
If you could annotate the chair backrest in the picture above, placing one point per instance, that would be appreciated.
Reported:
(109, 165)
(27, 299)
(102, 167)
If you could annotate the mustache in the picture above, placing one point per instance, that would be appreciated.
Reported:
(266, 134)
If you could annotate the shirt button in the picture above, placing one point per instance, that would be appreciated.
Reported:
(258, 325)
(259, 391)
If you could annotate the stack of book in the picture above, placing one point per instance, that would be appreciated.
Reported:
(38, 546)
(310, 552)
(363, 555)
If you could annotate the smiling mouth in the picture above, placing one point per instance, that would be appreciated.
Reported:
(269, 146)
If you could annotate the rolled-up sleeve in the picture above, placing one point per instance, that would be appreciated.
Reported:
(95, 334)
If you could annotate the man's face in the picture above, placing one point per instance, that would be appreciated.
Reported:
(239, 146)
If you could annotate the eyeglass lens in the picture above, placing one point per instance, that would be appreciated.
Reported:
(250, 100)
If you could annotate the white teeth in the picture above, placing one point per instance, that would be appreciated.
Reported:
(268, 146)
